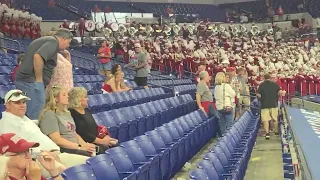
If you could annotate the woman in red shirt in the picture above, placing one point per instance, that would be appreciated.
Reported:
(104, 55)
(115, 83)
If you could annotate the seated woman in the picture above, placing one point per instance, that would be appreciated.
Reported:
(115, 83)
(87, 128)
(57, 123)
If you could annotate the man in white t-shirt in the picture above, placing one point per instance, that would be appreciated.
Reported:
(14, 121)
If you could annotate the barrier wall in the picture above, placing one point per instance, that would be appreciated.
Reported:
(212, 2)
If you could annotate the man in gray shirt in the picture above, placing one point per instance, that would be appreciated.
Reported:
(244, 98)
(140, 64)
(35, 72)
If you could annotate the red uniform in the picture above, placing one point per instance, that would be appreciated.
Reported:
(302, 84)
(81, 27)
(27, 32)
(311, 84)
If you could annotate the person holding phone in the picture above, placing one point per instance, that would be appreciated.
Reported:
(20, 164)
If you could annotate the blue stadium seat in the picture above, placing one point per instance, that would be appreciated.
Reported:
(106, 119)
(137, 156)
(79, 172)
(6, 70)
(133, 114)
(160, 145)
(127, 129)
(150, 151)
(125, 166)
(104, 168)
(199, 174)
(5, 80)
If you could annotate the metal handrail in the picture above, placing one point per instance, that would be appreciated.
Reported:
(16, 41)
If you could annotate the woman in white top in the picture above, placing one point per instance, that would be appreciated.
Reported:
(224, 95)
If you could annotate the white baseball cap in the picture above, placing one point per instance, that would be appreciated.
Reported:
(15, 95)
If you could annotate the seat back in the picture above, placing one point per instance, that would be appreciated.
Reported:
(103, 167)
(79, 172)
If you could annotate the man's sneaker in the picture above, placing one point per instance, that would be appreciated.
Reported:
(277, 134)
(267, 136)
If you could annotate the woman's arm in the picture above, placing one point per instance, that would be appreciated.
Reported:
(62, 142)
(113, 85)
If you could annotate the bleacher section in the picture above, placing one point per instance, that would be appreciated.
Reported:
(168, 147)
(158, 9)
(229, 158)
(158, 132)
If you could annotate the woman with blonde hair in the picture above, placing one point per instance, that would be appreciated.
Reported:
(224, 95)
(115, 83)
(87, 127)
(57, 123)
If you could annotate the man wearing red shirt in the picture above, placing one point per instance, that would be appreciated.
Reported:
(104, 55)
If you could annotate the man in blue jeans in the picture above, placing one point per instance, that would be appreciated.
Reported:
(35, 72)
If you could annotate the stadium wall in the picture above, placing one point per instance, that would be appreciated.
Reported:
(211, 2)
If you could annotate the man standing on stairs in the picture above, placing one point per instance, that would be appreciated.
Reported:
(140, 64)
(35, 72)
(268, 93)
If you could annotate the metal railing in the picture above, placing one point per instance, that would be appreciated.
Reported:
(12, 40)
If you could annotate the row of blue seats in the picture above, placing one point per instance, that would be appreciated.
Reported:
(5, 88)
(95, 87)
(186, 89)
(88, 78)
(7, 69)
(105, 102)
(169, 82)
(157, 155)
(129, 122)
(150, 77)
(229, 158)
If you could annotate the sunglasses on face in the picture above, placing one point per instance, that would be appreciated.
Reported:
(17, 94)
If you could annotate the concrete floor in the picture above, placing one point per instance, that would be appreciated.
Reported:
(266, 160)
(265, 163)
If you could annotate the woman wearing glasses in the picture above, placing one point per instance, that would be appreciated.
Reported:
(18, 162)
(57, 123)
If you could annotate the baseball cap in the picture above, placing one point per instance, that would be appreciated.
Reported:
(15, 95)
(10, 142)
(230, 69)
